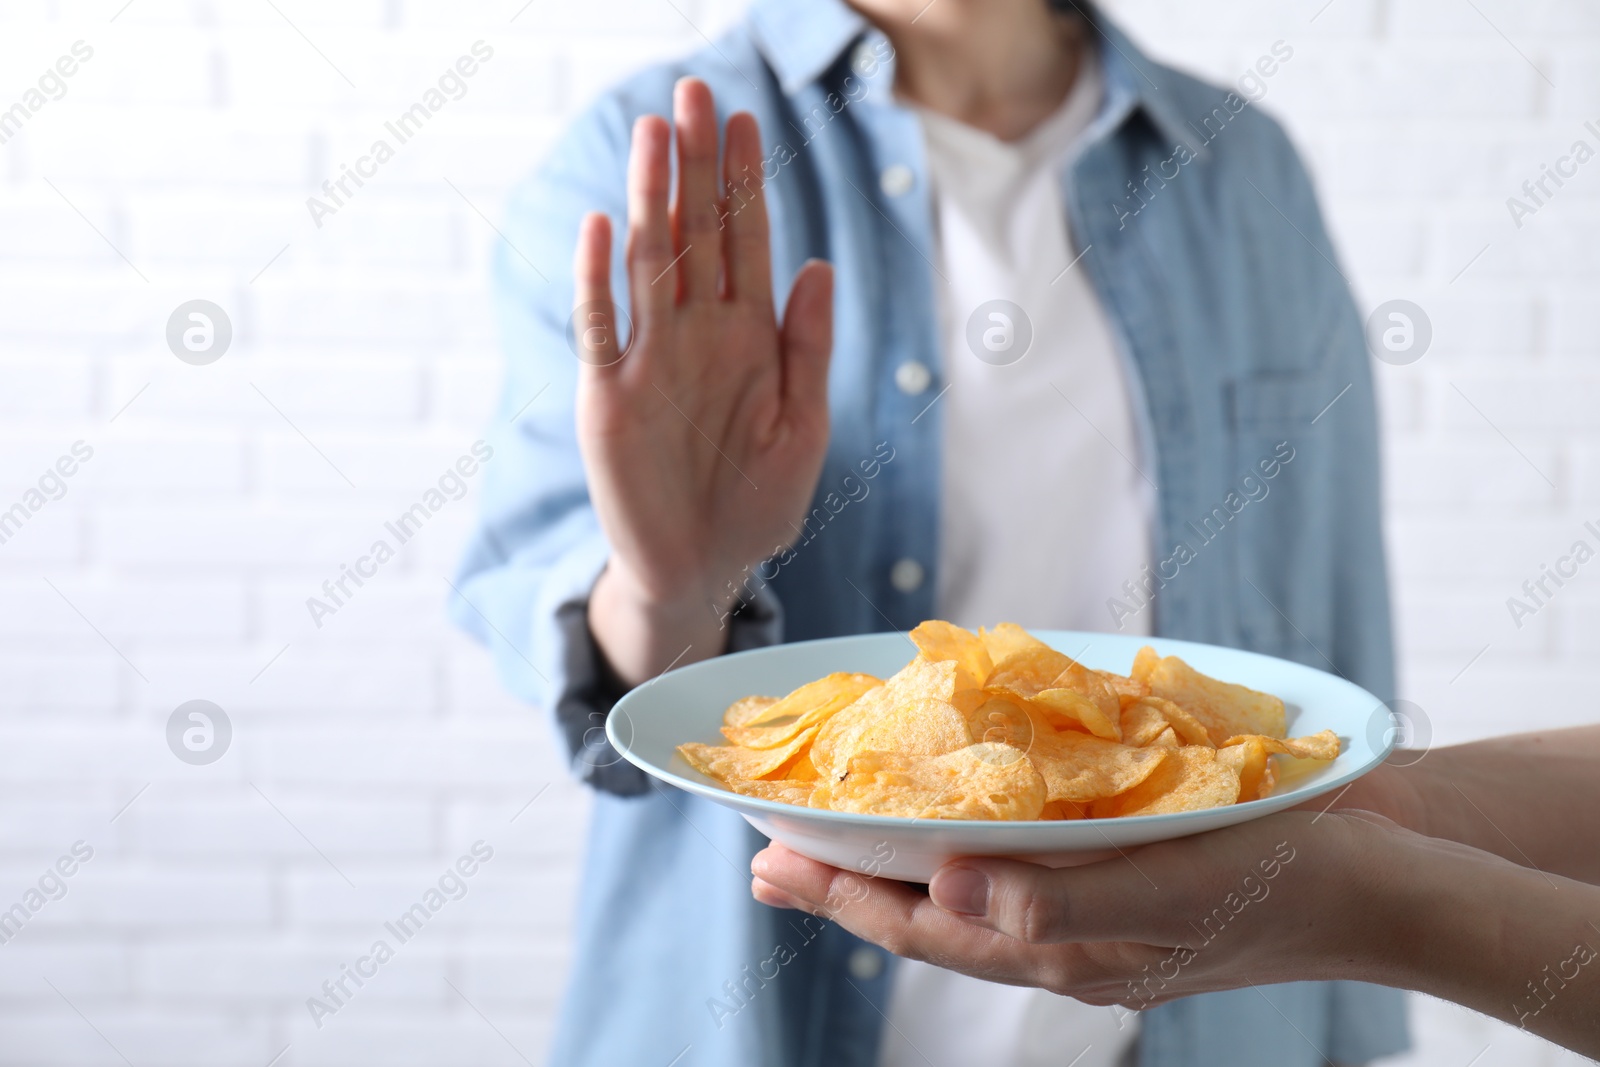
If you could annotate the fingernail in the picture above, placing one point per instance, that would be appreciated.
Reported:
(961, 890)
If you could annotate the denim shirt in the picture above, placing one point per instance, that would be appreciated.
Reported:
(1200, 232)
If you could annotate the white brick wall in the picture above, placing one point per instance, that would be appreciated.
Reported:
(191, 539)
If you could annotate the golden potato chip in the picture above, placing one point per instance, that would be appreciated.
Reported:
(1061, 810)
(1141, 722)
(839, 738)
(807, 706)
(998, 725)
(1185, 725)
(1318, 746)
(940, 641)
(1003, 720)
(727, 762)
(1190, 778)
(1226, 710)
(784, 790)
(1144, 664)
(1269, 782)
(1028, 671)
(982, 781)
(1248, 759)
(1078, 767)
(1123, 686)
(1005, 639)
(745, 709)
(798, 769)
(912, 728)
(1167, 738)
(1070, 708)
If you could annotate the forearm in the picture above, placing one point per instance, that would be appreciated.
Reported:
(1499, 938)
(1533, 799)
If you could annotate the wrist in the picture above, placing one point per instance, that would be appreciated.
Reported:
(641, 634)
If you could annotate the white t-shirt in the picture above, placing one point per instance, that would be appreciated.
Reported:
(1044, 512)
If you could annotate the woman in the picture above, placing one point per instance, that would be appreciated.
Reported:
(1061, 336)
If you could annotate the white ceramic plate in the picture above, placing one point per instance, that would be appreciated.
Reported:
(648, 724)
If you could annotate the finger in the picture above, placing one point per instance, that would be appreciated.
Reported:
(903, 921)
(695, 215)
(651, 278)
(745, 234)
(772, 896)
(1106, 901)
(594, 314)
(807, 339)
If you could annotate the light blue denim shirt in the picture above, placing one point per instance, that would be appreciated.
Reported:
(1202, 237)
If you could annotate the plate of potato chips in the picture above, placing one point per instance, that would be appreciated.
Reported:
(892, 753)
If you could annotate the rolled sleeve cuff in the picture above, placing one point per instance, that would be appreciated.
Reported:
(581, 687)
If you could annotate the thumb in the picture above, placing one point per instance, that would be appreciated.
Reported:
(807, 338)
(1105, 901)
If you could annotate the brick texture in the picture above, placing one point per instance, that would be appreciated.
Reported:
(367, 755)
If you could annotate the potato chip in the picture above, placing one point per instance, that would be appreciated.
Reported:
(1144, 664)
(1123, 686)
(1002, 720)
(807, 706)
(742, 711)
(997, 725)
(1190, 778)
(981, 781)
(1318, 746)
(1069, 708)
(798, 769)
(1080, 697)
(1061, 810)
(1226, 710)
(1141, 722)
(915, 728)
(727, 762)
(919, 681)
(1078, 767)
(1167, 738)
(785, 790)
(1005, 639)
(1185, 725)
(941, 641)
(1248, 759)
(1028, 671)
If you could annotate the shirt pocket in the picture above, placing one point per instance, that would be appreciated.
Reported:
(1283, 551)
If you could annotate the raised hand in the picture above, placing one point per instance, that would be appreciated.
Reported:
(703, 442)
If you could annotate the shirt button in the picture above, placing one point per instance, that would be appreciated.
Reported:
(896, 180)
(913, 377)
(906, 576)
(864, 60)
(865, 964)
